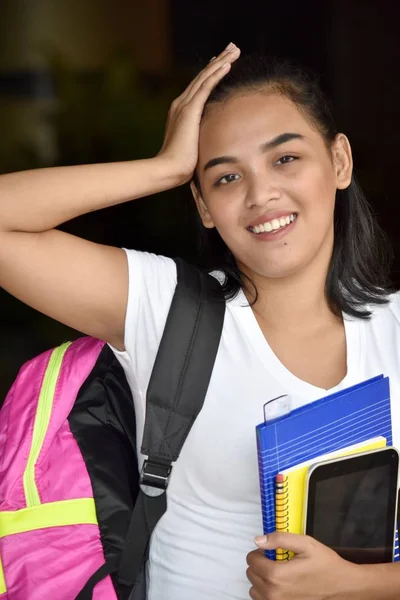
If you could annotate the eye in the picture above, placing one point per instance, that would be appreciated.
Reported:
(227, 179)
(285, 159)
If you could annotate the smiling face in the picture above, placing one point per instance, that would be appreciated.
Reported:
(267, 182)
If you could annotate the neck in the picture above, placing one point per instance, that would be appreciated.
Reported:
(296, 302)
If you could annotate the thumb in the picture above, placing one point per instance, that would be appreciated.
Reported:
(299, 544)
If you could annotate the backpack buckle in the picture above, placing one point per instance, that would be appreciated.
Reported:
(154, 477)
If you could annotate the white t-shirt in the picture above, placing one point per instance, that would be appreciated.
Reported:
(198, 549)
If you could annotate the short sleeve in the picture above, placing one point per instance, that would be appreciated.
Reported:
(395, 305)
(152, 282)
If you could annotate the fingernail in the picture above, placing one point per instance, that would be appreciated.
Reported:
(230, 46)
(213, 58)
(261, 540)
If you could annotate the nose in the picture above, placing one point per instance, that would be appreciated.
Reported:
(262, 190)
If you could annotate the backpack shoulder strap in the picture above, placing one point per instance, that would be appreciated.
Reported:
(175, 396)
(184, 363)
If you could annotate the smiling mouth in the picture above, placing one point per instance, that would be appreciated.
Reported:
(274, 225)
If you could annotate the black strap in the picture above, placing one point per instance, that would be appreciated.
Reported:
(184, 362)
(175, 396)
(146, 515)
(106, 569)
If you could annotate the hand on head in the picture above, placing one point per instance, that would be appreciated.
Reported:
(181, 140)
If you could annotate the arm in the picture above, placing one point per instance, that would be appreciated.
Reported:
(36, 201)
(380, 582)
(80, 283)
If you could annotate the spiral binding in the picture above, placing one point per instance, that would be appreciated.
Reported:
(282, 511)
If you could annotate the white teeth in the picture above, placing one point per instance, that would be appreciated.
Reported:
(275, 224)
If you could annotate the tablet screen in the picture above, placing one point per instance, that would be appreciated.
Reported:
(351, 506)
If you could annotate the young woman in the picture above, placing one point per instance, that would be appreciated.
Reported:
(308, 311)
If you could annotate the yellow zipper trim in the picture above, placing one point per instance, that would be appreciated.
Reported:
(3, 587)
(42, 419)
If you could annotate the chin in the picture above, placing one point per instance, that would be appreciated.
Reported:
(275, 271)
(287, 262)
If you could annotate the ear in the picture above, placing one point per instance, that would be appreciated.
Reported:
(201, 207)
(343, 161)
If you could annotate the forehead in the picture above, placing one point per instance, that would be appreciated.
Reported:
(245, 121)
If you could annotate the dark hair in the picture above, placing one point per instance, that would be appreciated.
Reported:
(359, 266)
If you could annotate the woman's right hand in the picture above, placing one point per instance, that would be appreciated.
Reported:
(181, 139)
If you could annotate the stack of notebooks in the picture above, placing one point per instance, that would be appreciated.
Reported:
(353, 420)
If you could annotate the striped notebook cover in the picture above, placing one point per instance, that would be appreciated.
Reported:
(348, 417)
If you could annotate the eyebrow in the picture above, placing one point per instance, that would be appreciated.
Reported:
(276, 141)
(280, 139)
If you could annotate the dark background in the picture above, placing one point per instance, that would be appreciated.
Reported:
(91, 80)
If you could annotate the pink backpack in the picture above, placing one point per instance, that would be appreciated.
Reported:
(75, 515)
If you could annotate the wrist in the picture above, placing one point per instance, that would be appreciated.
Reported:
(172, 171)
(375, 582)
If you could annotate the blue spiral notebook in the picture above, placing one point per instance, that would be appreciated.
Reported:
(287, 438)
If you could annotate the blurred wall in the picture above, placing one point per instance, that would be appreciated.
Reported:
(85, 35)
(363, 63)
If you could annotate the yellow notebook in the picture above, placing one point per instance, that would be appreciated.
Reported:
(290, 488)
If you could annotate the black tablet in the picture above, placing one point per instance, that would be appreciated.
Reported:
(351, 505)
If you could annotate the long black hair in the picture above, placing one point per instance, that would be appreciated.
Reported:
(358, 274)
